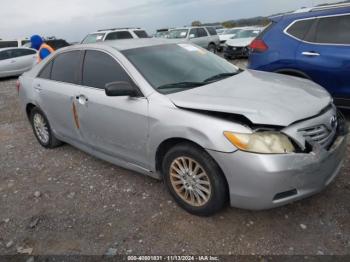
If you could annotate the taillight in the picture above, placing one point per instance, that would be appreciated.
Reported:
(18, 86)
(259, 46)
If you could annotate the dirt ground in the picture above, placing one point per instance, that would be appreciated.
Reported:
(64, 201)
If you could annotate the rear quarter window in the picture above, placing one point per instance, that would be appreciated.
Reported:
(299, 29)
(141, 34)
(46, 71)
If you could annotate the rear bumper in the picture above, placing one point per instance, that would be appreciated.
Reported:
(231, 51)
(258, 181)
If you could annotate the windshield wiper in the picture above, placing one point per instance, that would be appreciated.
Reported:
(220, 76)
(182, 85)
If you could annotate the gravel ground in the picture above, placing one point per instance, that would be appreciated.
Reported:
(64, 201)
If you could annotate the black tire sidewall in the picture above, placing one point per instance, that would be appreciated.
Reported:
(219, 192)
(212, 47)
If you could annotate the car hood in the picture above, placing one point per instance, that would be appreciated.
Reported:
(226, 37)
(240, 42)
(263, 98)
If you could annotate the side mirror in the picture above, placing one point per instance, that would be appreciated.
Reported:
(192, 36)
(120, 89)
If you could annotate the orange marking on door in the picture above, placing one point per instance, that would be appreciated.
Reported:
(75, 116)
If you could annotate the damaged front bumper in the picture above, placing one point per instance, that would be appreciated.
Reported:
(263, 181)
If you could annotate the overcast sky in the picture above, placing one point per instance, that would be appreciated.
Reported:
(73, 19)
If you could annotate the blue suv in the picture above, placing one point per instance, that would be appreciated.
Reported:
(309, 43)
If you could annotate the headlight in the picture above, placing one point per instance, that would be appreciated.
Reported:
(266, 142)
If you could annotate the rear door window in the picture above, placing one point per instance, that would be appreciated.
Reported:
(4, 55)
(119, 35)
(333, 30)
(202, 32)
(100, 69)
(141, 34)
(300, 28)
(212, 31)
(66, 67)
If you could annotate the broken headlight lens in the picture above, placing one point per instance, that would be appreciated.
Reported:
(265, 142)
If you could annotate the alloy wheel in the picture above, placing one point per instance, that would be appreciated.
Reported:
(41, 128)
(190, 181)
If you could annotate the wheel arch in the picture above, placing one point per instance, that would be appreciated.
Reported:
(166, 145)
(169, 143)
(293, 72)
(29, 108)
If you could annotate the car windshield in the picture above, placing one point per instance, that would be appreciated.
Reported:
(177, 67)
(178, 33)
(162, 34)
(232, 31)
(93, 38)
(220, 31)
(246, 34)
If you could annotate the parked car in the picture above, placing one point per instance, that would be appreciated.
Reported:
(57, 43)
(13, 43)
(312, 44)
(205, 37)
(238, 45)
(162, 33)
(177, 112)
(226, 34)
(14, 61)
(114, 34)
(54, 43)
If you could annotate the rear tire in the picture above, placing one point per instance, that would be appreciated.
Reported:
(42, 130)
(212, 48)
(194, 180)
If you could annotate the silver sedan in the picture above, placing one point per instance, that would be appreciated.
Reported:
(15, 61)
(174, 111)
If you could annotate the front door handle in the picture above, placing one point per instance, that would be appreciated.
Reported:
(310, 54)
(82, 99)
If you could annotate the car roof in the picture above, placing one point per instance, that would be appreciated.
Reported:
(102, 31)
(190, 27)
(126, 44)
(308, 13)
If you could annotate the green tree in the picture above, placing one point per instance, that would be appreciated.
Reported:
(196, 23)
(229, 24)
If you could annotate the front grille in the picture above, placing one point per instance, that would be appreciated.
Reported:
(319, 134)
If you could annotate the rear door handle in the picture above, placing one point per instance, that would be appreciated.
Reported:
(13, 61)
(38, 88)
(82, 99)
(310, 54)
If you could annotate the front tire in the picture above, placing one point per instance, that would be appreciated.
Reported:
(194, 180)
(42, 129)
